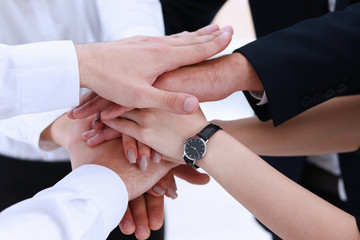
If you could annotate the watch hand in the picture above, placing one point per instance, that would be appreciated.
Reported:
(195, 149)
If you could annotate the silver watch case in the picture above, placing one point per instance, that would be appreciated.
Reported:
(188, 142)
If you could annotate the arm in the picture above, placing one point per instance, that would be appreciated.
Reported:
(312, 132)
(61, 61)
(31, 73)
(76, 205)
(300, 66)
(269, 195)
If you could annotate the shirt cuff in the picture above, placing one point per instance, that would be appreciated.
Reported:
(259, 95)
(48, 75)
(104, 187)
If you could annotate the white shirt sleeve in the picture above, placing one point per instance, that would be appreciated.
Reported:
(38, 77)
(259, 95)
(126, 18)
(87, 204)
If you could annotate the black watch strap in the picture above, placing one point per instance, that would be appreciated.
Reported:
(208, 131)
(191, 163)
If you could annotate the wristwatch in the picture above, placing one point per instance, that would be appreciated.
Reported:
(195, 147)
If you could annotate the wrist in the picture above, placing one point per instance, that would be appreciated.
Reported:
(59, 131)
(246, 77)
(82, 52)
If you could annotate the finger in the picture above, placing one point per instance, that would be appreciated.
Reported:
(127, 224)
(191, 175)
(97, 123)
(92, 107)
(144, 155)
(139, 213)
(114, 111)
(191, 54)
(125, 126)
(83, 99)
(167, 186)
(202, 31)
(130, 148)
(103, 135)
(155, 211)
(87, 97)
(195, 39)
(180, 103)
(156, 157)
(89, 134)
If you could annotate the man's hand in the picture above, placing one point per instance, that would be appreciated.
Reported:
(123, 71)
(213, 79)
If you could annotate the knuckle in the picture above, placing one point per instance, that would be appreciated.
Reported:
(171, 101)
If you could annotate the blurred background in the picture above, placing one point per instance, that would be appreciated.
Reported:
(209, 212)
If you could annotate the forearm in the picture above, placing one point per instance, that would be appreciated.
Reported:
(271, 197)
(333, 126)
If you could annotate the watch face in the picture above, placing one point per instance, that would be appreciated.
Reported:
(195, 148)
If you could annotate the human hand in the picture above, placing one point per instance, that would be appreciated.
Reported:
(143, 214)
(135, 151)
(112, 156)
(211, 80)
(123, 71)
(162, 131)
(146, 212)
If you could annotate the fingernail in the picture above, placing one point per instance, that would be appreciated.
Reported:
(158, 190)
(157, 157)
(127, 224)
(131, 156)
(226, 29)
(143, 163)
(212, 27)
(225, 35)
(172, 193)
(87, 135)
(78, 110)
(154, 221)
(190, 103)
(141, 230)
(92, 139)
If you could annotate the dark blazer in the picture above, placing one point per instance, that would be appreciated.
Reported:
(303, 56)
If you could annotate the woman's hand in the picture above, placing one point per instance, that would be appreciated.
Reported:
(162, 131)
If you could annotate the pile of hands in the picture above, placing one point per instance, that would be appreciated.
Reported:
(142, 139)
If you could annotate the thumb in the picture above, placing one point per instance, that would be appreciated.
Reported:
(175, 102)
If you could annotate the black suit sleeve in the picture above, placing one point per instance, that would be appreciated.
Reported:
(188, 15)
(308, 63)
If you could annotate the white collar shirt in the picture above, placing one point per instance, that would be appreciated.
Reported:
(80, 21)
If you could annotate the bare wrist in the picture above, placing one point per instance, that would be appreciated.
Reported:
(59, 131)
(82, 52)
(249, 80)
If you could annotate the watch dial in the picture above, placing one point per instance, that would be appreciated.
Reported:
(195, 148)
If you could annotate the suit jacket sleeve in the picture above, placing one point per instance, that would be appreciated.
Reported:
(308, 63)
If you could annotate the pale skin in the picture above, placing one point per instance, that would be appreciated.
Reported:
(120, 70)
(145, 211)
(210, 80)
(270, 196)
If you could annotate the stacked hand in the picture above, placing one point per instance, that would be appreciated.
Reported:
(145, 211)
(124, 71)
